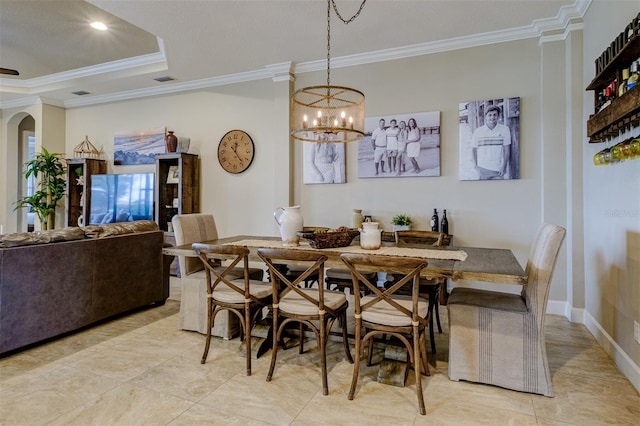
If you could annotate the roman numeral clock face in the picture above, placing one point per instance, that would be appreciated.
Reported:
(236, 151)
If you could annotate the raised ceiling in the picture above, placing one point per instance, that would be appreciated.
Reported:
(208, 43)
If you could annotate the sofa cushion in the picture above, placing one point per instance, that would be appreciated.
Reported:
(43, 237)
(119, 228)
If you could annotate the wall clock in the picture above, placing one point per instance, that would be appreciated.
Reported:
(236, 151)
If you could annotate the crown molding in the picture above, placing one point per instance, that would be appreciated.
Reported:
(567, 20)
(170, 88)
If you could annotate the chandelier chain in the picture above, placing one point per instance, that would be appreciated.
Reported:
(346, 21)
(355, 15)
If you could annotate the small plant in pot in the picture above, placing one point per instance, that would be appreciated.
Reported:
(401, 222)
(49, 170)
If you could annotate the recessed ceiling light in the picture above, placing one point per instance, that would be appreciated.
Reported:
(80, 93)
(99, 26)
(164, 79)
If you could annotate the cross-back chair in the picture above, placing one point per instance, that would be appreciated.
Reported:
(242, 297)
(292, 302)
(382, 312)
(430, 288)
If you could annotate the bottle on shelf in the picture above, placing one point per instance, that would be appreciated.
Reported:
(634, 74)
(607, 98)
(445, 223)
(622, 87)
(435, 221)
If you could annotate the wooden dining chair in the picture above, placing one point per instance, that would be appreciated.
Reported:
(498, 338)
(242, 297)
(430, 288)
(384, 313)
(292, 302)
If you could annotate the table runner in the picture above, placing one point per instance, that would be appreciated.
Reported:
(384, 251)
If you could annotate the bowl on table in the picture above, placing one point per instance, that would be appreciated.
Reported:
(320, 238)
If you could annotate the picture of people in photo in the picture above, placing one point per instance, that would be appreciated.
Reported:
(400, 145)
(324, 161)
(490, 139)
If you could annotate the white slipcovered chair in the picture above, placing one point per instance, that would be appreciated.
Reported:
(498, 338)
(196, 228)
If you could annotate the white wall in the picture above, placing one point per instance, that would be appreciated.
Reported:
(611, 214)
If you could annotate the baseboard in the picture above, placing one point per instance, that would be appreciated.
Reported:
(625, 364)
(557, 307)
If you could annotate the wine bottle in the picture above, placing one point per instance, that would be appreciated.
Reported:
(445, 223)
(435, 221)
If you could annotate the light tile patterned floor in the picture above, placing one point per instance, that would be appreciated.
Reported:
(141, 370)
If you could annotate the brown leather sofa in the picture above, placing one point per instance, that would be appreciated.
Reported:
(59, 281)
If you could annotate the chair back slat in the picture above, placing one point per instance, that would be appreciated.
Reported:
(358, 262)
(314, 263)
(211, 254)
(429, 238)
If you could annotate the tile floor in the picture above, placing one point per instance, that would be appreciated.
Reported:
(142, 370)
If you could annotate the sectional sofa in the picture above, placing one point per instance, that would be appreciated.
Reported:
(55, 282)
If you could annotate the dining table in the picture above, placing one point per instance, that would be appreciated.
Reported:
(495, 265)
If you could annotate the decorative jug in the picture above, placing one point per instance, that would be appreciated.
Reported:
(289, 220)
(370, 236)
(171, 141)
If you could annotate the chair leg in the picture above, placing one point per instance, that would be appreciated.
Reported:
(356, 366)
(210, 324)
(437, 308)
(323, 354)
(431, 335)
(246, 327)
(301, 337)
(345, 336)
(416, 367)
(274, 348)
(370, 351)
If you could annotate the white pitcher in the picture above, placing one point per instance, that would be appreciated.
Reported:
(289, 220)
(370, 236)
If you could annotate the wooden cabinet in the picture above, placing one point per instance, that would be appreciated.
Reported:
(79, 172)
(177, 186)
(624, 112)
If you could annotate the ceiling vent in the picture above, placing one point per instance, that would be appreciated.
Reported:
(164, 79)
(81, 93)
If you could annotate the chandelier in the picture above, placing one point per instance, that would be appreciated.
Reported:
(328, 113)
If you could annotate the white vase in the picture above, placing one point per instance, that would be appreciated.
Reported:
(290, 221)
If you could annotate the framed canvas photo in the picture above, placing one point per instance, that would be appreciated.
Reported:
(490, 139)
(324, 162)
(400, 145)
(138, 147)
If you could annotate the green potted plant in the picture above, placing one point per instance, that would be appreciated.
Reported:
(401, 222)
(49, 170)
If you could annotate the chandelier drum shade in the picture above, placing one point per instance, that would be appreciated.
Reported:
(328, 113)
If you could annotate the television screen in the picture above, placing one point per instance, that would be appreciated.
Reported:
(121, 198)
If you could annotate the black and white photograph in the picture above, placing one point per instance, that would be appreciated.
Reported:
(490, 139)
(324, 162)
(400, 145)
